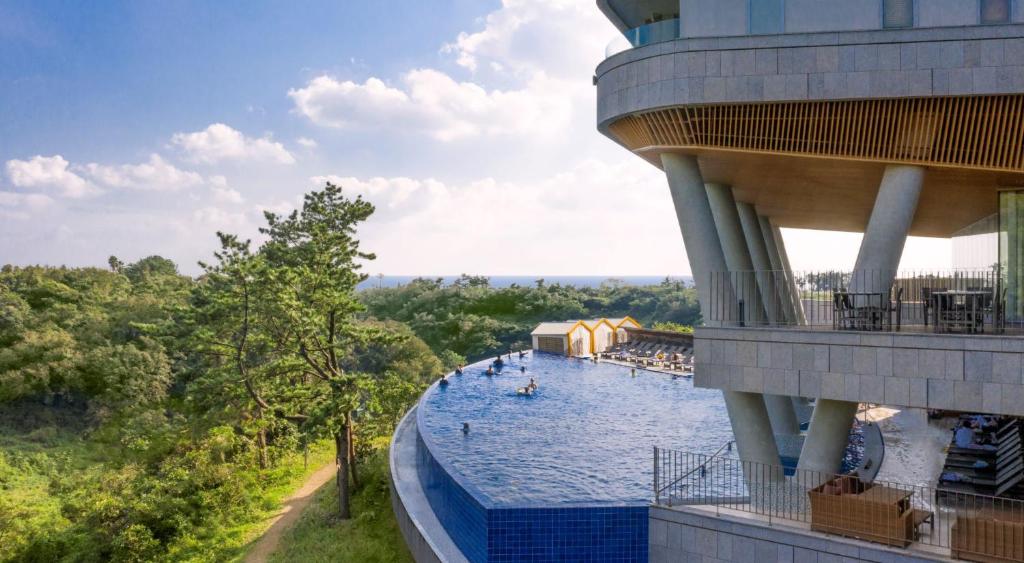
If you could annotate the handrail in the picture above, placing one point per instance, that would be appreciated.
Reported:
(712, 457)
(897, 514)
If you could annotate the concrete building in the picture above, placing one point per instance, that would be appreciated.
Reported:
(884, 117)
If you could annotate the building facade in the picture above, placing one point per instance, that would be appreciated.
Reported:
(884, 117)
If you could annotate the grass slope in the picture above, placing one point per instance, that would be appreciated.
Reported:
(371, 536)
(40, 446)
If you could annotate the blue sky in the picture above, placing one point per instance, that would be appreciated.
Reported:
(137, 128)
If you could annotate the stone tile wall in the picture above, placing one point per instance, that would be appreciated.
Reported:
(822, 66)
(969, 373)
(689, 535)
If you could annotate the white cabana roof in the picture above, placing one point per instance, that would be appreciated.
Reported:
(554, 329)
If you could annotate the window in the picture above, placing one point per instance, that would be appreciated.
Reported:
(995, 11)
(897, 13)
(766, 17)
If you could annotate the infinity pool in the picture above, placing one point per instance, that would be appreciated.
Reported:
(586, 435)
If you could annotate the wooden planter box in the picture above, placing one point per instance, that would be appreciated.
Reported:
(873, 513)
(987, 539)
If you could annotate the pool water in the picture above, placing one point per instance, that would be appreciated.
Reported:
(585, 436)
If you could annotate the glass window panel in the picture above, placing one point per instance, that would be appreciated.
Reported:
(766, 17)
(897, 13)
(995, 11)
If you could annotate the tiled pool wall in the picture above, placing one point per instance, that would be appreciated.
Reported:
(462, 516)
(600, 533)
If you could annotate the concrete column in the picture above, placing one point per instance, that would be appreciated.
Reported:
(794, 292)
(754, 439)
(882, 246)
(827, 436)
(782, 415)
(737, 256)
(700, 237)
(788, 295)
(747, 413)
(762, 262)
(877, 262)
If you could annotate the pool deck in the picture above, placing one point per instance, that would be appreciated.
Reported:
(672, 372)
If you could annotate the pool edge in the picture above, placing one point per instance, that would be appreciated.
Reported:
(424, 535)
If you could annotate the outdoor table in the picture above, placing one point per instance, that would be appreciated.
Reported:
(961, 297)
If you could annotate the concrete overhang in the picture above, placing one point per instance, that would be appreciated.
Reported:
(838, 195)
(628, 14)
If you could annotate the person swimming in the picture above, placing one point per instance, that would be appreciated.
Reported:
(458, 370)
(490, 370)
(443, 381)
(522, 354)
(522, 369)
(465, 428)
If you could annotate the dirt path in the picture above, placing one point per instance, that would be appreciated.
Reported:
(293, 507)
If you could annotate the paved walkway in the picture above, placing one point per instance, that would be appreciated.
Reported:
(289, 515)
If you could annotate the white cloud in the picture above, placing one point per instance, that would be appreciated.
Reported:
(568, 222)
(222, 192)
(219, 142)
(434, 103)
(31, 201)
(306, 142)
(215, 218)
(563, 38)
(49, 172)
(156, 174)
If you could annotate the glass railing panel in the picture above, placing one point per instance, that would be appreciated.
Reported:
(657, 32)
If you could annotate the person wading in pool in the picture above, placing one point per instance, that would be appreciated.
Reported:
(498, 362)
(458, 370)
(490, 371)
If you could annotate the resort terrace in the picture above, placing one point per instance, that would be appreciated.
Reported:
(720, 507)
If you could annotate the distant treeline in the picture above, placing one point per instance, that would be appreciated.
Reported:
(472, 319)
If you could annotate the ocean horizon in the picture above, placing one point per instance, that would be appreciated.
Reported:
(507, 281)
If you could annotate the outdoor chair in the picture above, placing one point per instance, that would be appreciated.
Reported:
(897, 307)
(843, 314)
(927, 300)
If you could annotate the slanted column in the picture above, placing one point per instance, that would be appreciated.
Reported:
(747, 413)
(794, 292)
(882, 245)
(737, 256)
(789, 303)
(877, 262)
(780, 408)
(697, 224)
(761, 261)
(827, 437)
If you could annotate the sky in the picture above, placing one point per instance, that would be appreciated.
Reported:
(140, 128)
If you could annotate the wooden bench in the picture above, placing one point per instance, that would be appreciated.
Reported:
(844, 506)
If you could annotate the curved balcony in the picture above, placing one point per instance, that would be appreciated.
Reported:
(664, 30)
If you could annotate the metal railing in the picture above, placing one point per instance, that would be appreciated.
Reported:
(655, 32)
(965, 301)
(883, 512)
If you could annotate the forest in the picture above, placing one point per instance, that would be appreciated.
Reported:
(146, 415)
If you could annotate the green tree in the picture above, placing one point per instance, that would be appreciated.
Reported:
(283, 318)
